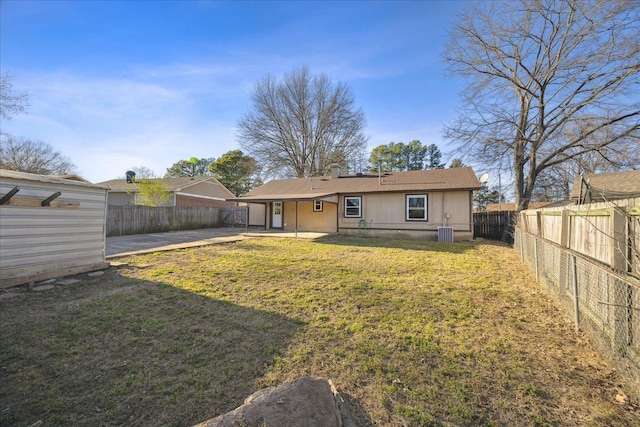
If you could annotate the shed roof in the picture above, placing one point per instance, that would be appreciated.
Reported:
(607, 186)
(318, 187)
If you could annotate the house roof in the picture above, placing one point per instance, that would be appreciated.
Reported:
(318, 187)
(511, 207)
(176, 185)
(607, 186)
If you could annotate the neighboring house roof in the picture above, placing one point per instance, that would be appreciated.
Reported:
(607, 186)
(323, 186)
(511, 207)
(174, 185)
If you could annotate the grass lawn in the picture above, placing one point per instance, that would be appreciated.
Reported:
(414, 333)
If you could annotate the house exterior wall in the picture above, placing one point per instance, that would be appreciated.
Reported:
(207, 189)
(257, 214)
(120, 199)
(189, 201)
(37, 243)
(385, 215)
(309, 220)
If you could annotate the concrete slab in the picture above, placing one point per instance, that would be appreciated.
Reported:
(146, 243)
(156, 242)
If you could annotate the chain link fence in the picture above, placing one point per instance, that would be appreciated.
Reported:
(604, 305)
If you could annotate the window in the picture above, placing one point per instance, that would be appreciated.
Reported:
(417, 208)
(317, 205)
(353, 207)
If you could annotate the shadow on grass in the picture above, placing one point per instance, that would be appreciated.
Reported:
(131, 352)
(408, 244)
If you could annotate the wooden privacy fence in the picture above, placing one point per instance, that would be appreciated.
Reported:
(608, 232)
(135, 219)
(493, 225)
(587, 256)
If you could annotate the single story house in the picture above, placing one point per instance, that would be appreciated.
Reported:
(185, 191)
(604, 187)
(50, 227)
(395, 204)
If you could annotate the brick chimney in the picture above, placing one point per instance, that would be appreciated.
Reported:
(335, 170)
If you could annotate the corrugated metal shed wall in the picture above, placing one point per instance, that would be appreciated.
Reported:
(37, 242)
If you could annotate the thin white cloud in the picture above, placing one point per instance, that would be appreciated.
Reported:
(108, 125)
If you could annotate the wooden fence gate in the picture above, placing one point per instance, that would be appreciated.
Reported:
(494, 225)
(234, 217)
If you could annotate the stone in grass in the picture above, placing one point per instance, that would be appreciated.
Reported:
(68, 281)
(96, 273)
(306, 401)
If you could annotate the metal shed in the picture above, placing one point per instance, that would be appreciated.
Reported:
(49, 227)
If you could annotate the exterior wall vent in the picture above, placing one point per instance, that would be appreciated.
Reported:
(445, 234)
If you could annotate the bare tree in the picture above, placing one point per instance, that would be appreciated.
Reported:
(11, 102)
(25, 155)
(544, 79)
(143, 172)
(301, 125)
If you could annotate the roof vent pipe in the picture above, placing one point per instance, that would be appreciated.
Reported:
(131, 177)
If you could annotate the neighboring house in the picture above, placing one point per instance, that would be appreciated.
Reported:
(604, 187)
(511, 207)
(395, 204)
(49, 227)
(197, 191)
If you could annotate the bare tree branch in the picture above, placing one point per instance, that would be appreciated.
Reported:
(301, 125)
(537, 71)
(11, 102)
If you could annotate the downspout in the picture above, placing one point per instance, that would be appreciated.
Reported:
(442, 213)
(296, 218)
(338, 216)
(246, 227)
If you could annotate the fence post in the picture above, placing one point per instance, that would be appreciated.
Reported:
(519, 240)
(576, 304)
(565, 229)
(539, 224)
(618, 239)
(535, 257)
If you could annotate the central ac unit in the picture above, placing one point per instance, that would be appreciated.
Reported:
(445, 234)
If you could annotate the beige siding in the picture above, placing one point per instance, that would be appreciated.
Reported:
(121, 199)
(307, 219)
(42, 241)
(207, 189)
(385, 214)
(257, 214)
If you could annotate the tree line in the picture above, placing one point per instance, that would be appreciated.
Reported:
(549, 95)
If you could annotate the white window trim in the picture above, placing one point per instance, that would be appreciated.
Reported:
(407, 208)
(316, 207)
(359, 198)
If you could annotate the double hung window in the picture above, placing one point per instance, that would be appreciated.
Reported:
(353, 207)
(417, 208)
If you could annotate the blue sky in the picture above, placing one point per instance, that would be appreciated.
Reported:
(118, 84)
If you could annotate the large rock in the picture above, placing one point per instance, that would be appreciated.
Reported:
(306, 401)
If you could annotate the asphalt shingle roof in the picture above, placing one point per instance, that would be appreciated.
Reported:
(613, 185)
(173, 184)
(424, 180)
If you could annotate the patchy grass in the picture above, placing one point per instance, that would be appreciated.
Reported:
(413, 332)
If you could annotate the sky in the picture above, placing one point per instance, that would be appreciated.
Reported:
(120, 84)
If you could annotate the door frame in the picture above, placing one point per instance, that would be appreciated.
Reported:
(274, 214)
